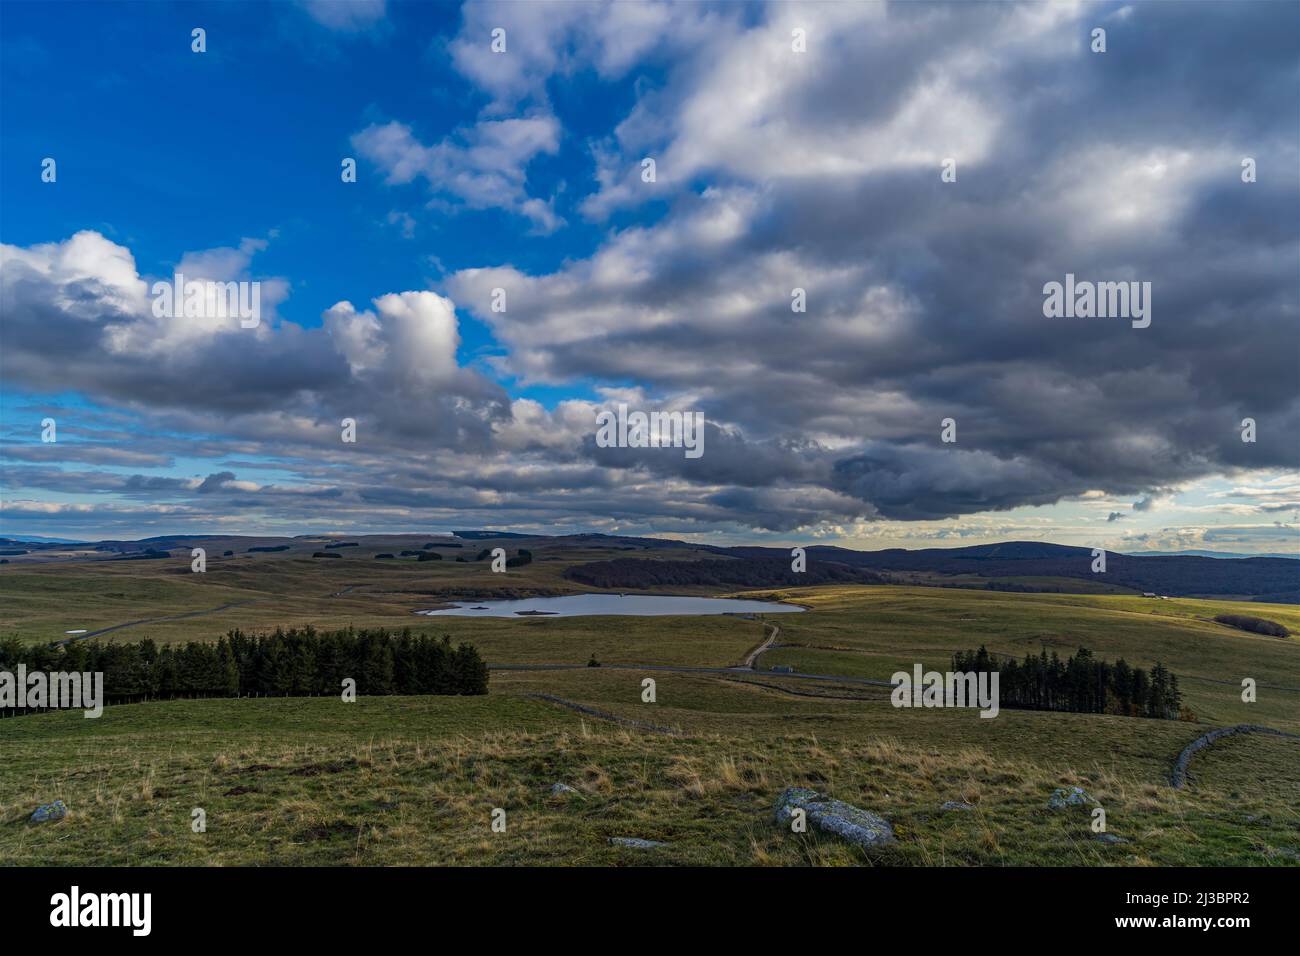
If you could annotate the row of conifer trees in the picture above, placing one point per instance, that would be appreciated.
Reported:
(1079, 684)
(297, 662)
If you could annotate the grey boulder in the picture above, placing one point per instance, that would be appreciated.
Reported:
(1064, 797)
(860, 827)
(636, 843)
(50, 811)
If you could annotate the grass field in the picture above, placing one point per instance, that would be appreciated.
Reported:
(414, 780)
(398, 781)
(43, 599)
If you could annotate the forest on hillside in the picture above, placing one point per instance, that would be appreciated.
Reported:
(634, 573)
(1081, 684)
(298, 662)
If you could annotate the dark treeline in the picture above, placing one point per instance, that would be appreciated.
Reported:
(1015, 587)
(631, 573)
(153, 554)
(1259, 625)
(299, 662)
(1080, 684)
(524, 556)
(1272, 579)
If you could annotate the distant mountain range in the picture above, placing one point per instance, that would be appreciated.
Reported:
(1207, 554)
(1020, 548)
(1011, 565)
(1258, 579)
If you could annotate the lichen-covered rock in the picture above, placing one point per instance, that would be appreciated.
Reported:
(792, 797)
(561, 789)
(50, 811)
(859, 827)
(636, 843)
(956, 805)
(1063, 797)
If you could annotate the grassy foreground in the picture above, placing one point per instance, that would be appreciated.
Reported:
(397, 781)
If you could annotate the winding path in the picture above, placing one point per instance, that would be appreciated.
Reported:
(1237, 683)
(752, 658)
(1179, 776)
(153, 620)
(674, 669)
(593, 712)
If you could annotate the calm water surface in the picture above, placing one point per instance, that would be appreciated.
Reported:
(637, 605)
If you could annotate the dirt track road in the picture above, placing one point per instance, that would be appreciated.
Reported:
(752, 658)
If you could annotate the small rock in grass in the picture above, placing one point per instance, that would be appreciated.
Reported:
(859, 827)
(636, 843)
(1108, 838)
(50, 811)
(956, 805)
(560, 789)
(1064, 797)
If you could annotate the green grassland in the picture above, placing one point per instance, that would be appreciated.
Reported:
(873, 632)
(394, 781)
(407, 781)
(40, 600)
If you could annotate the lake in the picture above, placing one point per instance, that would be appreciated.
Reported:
(637, 605)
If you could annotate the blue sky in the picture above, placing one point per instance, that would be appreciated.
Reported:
(170, 151)
(778, 168)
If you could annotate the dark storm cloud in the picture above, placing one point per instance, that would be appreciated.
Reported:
(78, 311)
(924, 298)
(95, 454)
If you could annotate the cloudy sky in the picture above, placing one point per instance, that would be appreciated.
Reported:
(795, 146)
